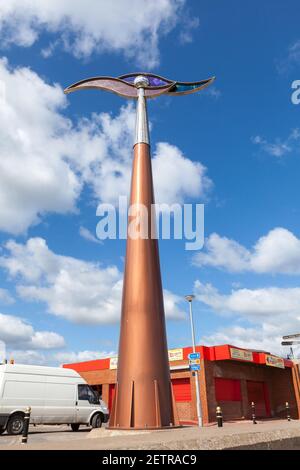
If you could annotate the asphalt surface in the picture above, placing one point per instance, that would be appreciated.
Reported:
(273, 434)
(46, 434)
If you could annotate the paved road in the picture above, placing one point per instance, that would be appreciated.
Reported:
(44, 434)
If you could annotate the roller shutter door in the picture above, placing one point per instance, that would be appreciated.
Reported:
(182, 390)
(257, 392)
(227, 389)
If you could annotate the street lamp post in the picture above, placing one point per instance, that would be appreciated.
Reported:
(189, 299)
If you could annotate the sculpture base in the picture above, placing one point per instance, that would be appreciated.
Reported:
(140, 417)
(150, 428)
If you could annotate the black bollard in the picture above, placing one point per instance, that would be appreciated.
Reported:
(287, 407)
(253, 413)
(219, 415)
(26, 425)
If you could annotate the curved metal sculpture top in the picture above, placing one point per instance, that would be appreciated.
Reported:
(127, 85)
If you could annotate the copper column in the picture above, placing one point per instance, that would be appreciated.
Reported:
(143, 397)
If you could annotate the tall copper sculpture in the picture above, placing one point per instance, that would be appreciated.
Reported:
(143, 396)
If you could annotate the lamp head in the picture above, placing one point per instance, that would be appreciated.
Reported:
(189, 298)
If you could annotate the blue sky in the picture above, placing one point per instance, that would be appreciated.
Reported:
(235, 148)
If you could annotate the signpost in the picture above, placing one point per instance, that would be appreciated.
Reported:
(289, 343)
(297, 335)
(194, 361)
(195, 355)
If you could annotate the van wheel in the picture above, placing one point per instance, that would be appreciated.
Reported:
(75, 426)
(2, 429)
(96, 421)
(15, 425)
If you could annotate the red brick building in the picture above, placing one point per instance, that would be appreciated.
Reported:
(230, 377)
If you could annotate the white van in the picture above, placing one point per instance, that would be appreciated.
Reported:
(56, 396)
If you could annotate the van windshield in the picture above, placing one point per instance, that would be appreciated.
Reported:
(85, 392)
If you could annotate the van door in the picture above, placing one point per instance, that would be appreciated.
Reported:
(86, 402)
(60, 398)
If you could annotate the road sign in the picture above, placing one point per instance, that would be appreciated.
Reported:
(291, 336)
(194, 361)
(289, 343)
(195, 355)
(195, 366)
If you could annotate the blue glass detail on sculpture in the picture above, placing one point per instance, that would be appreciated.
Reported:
(186, 87)
(124, 85)
(153, 81)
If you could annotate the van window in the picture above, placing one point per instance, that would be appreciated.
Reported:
(86, 393)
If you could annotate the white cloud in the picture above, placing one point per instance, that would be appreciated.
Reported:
(47, 340)
(276, 252)
(100, 149)
(114, 172)
(280, 147)
(223, 252)
(249, 338)
(80, 291)
(28, 356)
(172, 306)
(189, 24)
(184, 177)
(77, 290)
(87, 235)
(271, 312)
(45, 159)
(34, 178)
(291, 60)
(16, 332)
(294, 52)
(5, 297)
(50, 358)
(14, 329)
(213, 92)
(135, 29)
(270, 301)
(65, 357)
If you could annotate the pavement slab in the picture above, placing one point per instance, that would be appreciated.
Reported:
(273, 434)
